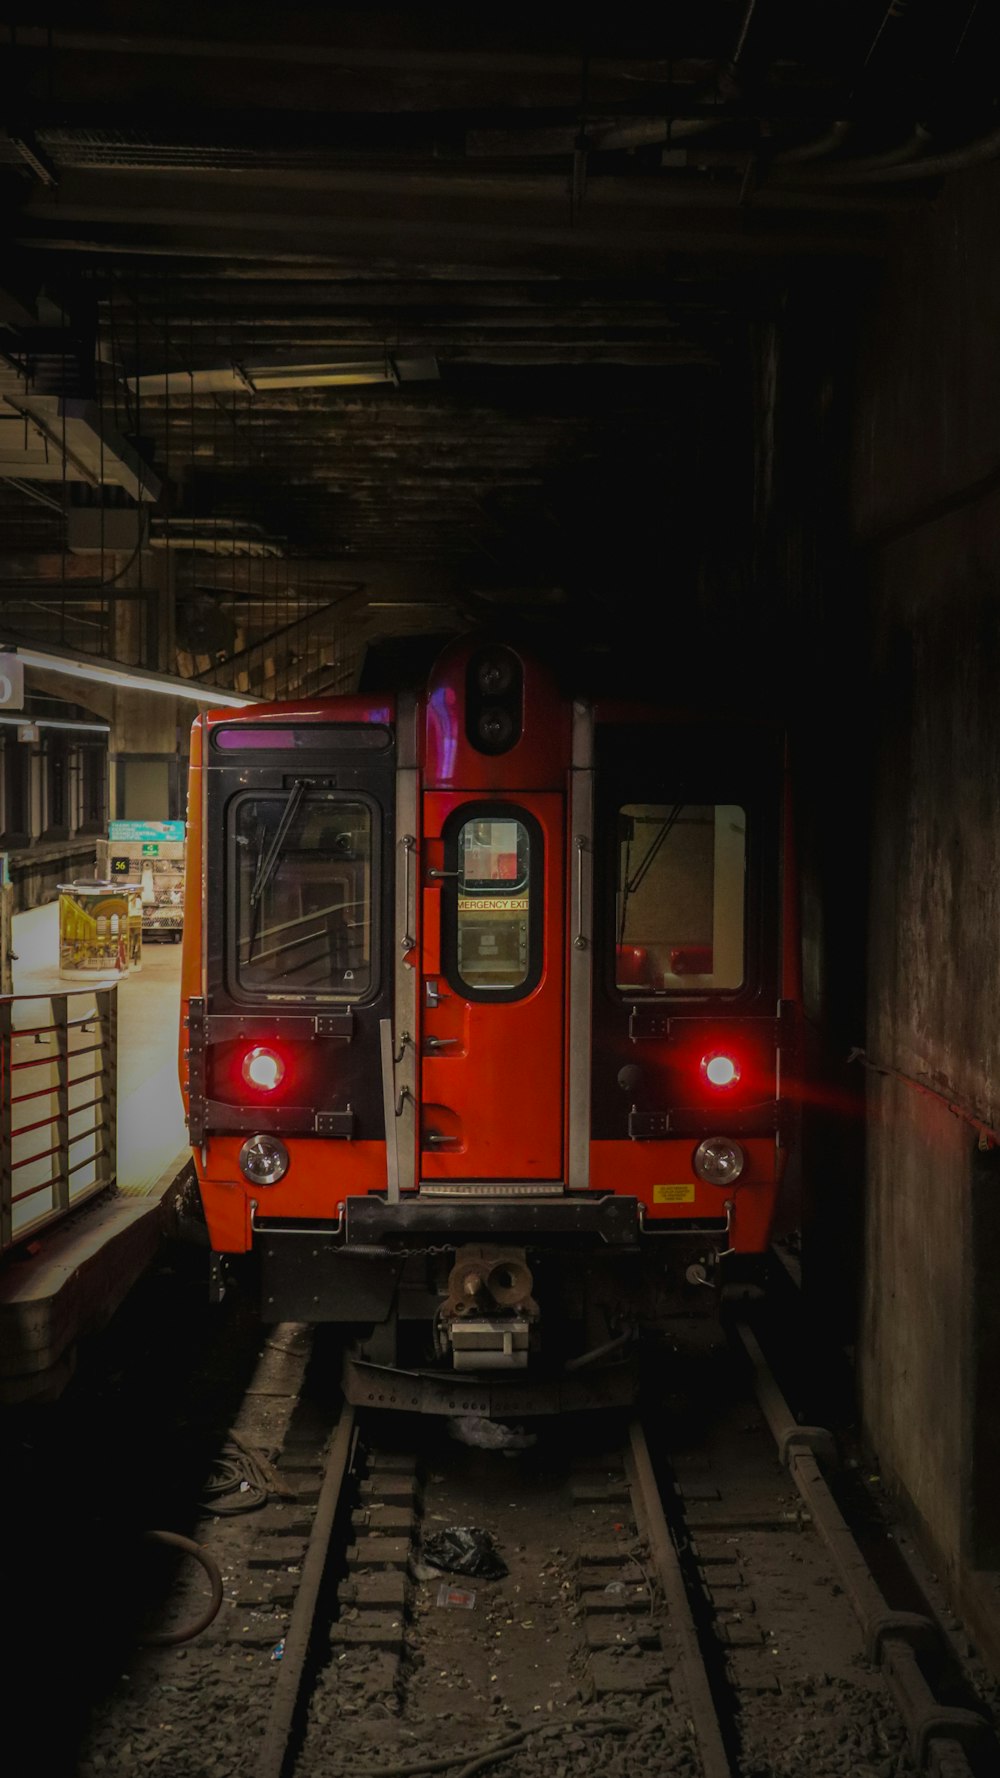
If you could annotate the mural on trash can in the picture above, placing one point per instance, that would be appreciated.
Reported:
(100, 927)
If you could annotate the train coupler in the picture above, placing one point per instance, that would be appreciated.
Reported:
(488, 1311)
(486, 1279)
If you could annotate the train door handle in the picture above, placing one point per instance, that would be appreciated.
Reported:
(433, 995)
(444, 873)
(439, 1043)
(434, 1139)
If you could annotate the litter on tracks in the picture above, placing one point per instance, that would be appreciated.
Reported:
(455, 1598)
(464, 1549)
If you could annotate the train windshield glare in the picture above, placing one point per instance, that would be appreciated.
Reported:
(680, 908)
(303, 896)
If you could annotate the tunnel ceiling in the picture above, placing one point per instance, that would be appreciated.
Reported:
(542, 265)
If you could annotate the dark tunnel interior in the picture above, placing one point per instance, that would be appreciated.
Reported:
(666, 344)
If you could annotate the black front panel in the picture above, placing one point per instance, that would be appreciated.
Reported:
(315, 1280)
(299, 851)
(687, 905)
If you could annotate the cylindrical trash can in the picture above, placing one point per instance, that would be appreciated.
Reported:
(95, 928)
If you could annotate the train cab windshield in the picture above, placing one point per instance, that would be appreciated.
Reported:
(303, 880)
(680, 905)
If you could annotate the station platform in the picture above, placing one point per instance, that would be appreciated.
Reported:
(69, 1278)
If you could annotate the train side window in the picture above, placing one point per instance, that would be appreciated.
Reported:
(494, 904)
(303, 910)
(680, 909)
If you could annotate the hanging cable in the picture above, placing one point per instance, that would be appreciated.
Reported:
(62, 478)
(187, 1632)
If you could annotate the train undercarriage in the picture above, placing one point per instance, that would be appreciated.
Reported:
(498, 1327)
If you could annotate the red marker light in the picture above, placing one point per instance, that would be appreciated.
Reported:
(720, 1070)
(263, 1069)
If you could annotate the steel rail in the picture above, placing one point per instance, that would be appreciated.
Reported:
(270, 1762)
(652, 1523)
(940, 1736)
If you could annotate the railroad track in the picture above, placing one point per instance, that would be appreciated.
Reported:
(681, 1596)
(588, 1630)
(700, 1609)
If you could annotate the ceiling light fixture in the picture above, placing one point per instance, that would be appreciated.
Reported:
(324, 373)
(97, 672)
(26, 721)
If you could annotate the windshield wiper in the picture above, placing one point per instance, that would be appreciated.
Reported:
(631, 884)
(267, 862)
(663, 832)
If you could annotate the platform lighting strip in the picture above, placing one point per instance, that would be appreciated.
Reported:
(130, 678)
(26, 721)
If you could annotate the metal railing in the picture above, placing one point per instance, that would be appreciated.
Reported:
(58, 1105)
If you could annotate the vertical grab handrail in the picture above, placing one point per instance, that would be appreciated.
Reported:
(408, 843)
(582, 845)
(389, 1110)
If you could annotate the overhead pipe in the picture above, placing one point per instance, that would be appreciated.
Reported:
(816, 149)
(864, 167)
(601, 135)
(907, 161)
(869, 168)
(932, 166)
(652, 132)
(655, 132)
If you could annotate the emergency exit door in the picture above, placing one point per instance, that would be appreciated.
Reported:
(492, 988)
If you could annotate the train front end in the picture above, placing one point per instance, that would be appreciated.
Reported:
(487, 1024)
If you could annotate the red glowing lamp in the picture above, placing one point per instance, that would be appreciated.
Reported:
(720, 1070)
(263, 1068)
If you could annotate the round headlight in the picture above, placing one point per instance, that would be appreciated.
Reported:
(263, 1160)
(718, 1160)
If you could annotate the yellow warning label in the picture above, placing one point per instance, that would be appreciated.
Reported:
(673, 1194)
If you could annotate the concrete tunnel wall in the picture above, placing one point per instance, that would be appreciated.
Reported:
(926, 509)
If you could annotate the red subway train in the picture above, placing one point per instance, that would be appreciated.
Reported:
(490, 1009)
